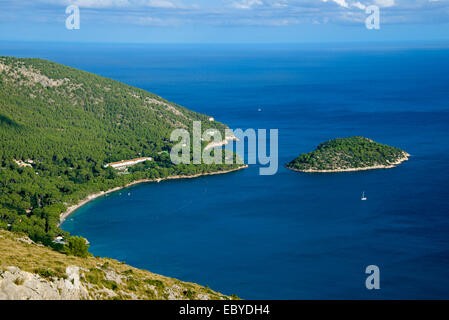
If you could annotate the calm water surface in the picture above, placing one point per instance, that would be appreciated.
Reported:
(291, 235)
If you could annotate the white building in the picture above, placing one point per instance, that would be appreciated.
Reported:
(127, 163)
(21, 163)
(59, 240)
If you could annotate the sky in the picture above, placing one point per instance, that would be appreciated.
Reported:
(224, 21)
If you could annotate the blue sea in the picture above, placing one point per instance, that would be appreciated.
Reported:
(291, 235)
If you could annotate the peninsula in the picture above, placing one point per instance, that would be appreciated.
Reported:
(349, 154)
(66, 137)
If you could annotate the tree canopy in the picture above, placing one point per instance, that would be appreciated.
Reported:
(60, 125)
(347, 153)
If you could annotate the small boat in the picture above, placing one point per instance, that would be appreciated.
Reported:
(260, 110)
(364, 198)
(129, 193)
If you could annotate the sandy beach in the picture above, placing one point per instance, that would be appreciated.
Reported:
(91, 197)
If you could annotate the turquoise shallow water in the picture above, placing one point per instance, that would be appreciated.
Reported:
(291, 235)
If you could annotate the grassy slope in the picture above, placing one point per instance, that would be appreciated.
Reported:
(49, 263)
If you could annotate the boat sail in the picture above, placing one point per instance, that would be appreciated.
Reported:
(364, 198)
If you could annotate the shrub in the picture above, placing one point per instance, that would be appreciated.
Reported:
(189, 294)
(77, 246)
(127, 272)
(95, 276)
(45, 273)
(110, 284)
(157, 283)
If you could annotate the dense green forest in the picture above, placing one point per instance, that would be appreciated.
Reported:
(69, 123)
(347, 153)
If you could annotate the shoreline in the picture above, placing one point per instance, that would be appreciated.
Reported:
(63, 216)
(392, 165)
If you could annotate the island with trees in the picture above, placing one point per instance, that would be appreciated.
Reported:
(349, 154)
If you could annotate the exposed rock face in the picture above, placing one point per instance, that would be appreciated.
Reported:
(173, 292)
(30, 271)
(3, 67)
(16, 284)
(36, 77)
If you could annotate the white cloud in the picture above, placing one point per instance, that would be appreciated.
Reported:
(99, 3)
(341, 3)
(279, 4)
(235, 12)
(161, 4)
(359, 5)
(246, 4)
(155, 21)
(384, 3)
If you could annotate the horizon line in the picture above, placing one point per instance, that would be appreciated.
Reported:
(231, 43)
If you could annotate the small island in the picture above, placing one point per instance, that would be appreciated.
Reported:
(349, 154)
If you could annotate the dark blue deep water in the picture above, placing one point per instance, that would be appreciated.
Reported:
(291, 235)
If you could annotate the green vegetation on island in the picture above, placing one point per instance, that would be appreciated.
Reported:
(348, 154)
(59, 126)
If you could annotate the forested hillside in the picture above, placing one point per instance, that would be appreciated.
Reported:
(59, 126)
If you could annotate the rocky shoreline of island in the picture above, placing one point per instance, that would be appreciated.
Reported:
(79, 204)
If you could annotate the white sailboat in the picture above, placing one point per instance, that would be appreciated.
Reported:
(363, 196)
